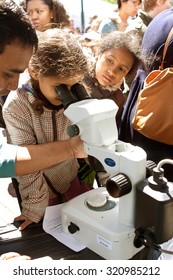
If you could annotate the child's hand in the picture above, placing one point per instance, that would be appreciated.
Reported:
(26, 222)
(77, 147)
(13, 255)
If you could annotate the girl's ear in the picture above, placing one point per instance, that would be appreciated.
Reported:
(51, 15)
(33, 74)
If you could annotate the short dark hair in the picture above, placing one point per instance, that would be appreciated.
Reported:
(119, 2)
(15, 24)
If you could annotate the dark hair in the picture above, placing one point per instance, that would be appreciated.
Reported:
(119, 2)
(60, 15)
(15, 25)
(59, 54)
(129, 41)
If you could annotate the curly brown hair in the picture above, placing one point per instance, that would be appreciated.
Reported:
(129, 40)
(60, 15)
(59, 54)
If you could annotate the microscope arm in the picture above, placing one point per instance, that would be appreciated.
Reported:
(94, 121)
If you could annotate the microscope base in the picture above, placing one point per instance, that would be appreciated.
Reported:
(99, 228)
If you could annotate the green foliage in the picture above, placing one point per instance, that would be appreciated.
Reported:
(111, 1)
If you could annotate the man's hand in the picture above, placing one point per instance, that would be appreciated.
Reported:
(24, 225)
(12, 256)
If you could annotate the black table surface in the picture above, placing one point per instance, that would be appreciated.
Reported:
(36, 243)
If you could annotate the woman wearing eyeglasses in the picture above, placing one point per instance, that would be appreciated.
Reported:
(126, 9)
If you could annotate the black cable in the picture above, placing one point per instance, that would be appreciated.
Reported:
(156, 247)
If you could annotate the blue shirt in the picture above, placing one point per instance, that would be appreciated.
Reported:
(7, 157)
(106, 26)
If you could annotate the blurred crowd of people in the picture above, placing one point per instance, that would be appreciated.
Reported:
(109, 60)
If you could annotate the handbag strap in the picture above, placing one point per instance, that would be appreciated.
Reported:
(165, 48)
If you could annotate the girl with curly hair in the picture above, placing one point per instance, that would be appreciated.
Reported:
(34, 114)
(113, 58)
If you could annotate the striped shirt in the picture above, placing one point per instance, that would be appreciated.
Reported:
(24, 126)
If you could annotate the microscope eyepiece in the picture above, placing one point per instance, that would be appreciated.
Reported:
(80, 91)
(66, 96)
(76, 93)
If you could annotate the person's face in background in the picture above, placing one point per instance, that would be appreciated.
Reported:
(13, 61)
(72, 27)
(112, 66)
(131, 7)
(39, 13)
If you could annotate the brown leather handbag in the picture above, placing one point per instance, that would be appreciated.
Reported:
(154, 112)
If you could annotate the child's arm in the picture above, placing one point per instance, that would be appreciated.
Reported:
(32, 158)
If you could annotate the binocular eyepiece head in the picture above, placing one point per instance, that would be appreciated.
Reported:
(75, 94)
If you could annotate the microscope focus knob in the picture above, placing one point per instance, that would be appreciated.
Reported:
(72, 228)
(73, 130)
(118, 185)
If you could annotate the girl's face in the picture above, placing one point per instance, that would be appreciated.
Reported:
(112, 66)
(39, 14)
(47, 86)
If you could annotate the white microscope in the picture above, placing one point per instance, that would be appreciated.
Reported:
(103, 223)
(131, 211)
